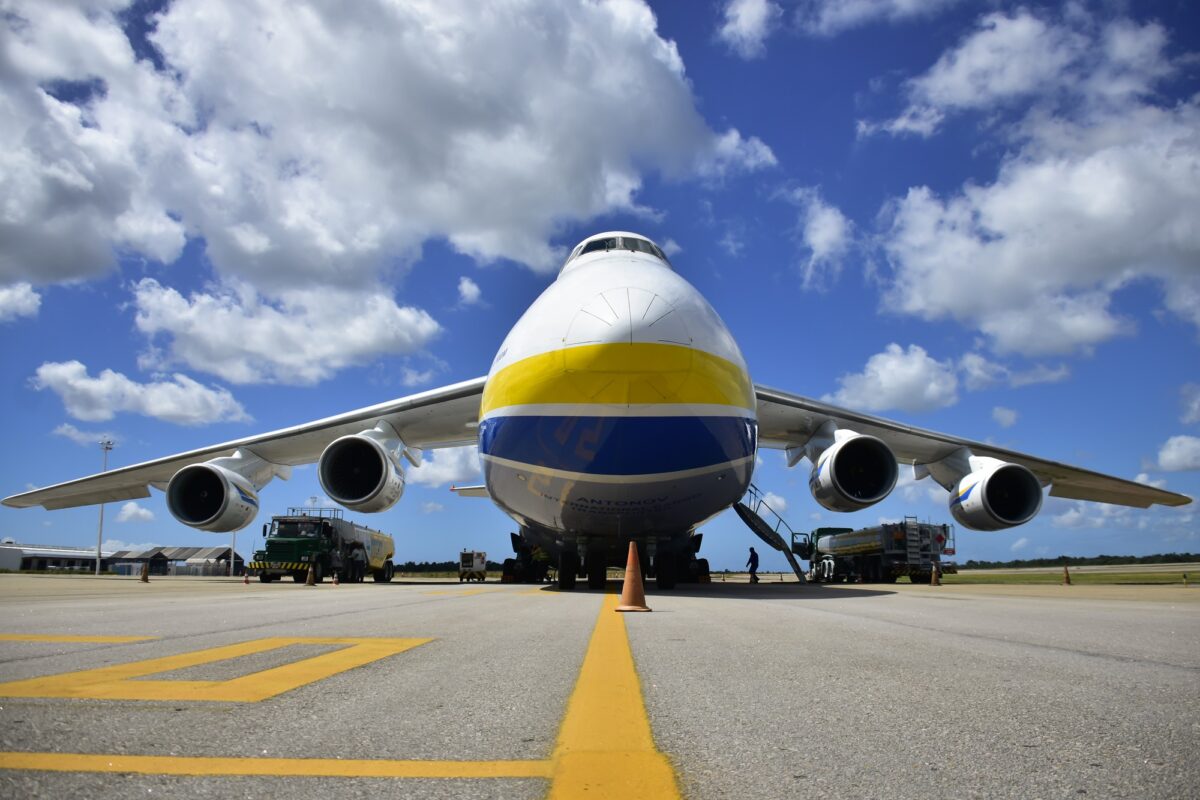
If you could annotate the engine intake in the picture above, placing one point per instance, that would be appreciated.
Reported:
(212, 498)
(361, 473)
(853, 473)
(997, 497)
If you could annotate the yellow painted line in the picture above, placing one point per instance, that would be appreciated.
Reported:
(120, 682)
(605, 748)
(35, 637)
(275, 767)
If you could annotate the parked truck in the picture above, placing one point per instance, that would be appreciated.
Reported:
(320, 539)
(472, 566)
(880, 554)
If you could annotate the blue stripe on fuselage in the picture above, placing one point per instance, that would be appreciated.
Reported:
(618, 445)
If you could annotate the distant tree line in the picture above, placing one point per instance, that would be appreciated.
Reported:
(438, 566)
(1080, 561)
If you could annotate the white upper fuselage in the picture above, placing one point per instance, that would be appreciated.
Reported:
(619, 404)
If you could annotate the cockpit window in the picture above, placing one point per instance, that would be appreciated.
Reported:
(601, 244)
(621, 243)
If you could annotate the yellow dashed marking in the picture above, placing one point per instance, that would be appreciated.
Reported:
(605, 748)
(118, 682)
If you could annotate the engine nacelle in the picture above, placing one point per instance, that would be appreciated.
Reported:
(361, 473)
(212, 498)
(854, 472)
(1001, 495)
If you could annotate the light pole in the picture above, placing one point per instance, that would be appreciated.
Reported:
(105, 445)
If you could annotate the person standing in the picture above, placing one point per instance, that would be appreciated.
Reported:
(752, 563)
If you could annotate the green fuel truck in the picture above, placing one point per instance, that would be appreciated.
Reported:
(321, 539)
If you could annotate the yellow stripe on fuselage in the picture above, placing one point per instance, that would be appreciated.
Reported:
(627, 373)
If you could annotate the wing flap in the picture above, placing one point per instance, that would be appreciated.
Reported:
(425, 421)
(786, 420)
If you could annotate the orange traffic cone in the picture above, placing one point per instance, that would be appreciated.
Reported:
(145, 572)
(335, 579)
(246, 578)
(633, 598)
(312, 578)
(934, 578)
(1066, 576)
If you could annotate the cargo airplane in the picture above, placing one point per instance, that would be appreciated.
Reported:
(619, 408)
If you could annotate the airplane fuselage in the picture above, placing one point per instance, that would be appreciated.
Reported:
(619, 405)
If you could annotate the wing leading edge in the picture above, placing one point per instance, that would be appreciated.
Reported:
(444, 417)
(788, 420)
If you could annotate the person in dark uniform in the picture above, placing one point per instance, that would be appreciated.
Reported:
(752, 563)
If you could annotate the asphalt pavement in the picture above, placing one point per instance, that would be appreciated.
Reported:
(425, 689)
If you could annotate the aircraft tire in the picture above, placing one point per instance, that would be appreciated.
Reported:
(568, 566)
(666, 573)
(597, 572)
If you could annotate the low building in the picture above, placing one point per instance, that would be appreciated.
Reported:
(50, 558)
(177, 561)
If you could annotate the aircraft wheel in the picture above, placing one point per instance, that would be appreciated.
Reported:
(568, 565)
(597, 572)
(665, 572)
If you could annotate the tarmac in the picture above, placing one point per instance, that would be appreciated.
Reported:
(208, 687)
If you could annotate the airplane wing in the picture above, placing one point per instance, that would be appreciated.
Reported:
(444, 417)
(788, 420)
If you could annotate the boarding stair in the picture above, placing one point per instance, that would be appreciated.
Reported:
(755, 512)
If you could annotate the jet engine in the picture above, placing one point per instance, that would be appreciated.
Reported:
(850, 470)
(212, 498)
(362, 471)
(999, 495)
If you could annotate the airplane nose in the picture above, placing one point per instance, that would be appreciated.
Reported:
(628, 315)
(628, 345)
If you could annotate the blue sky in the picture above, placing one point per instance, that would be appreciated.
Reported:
(981, 218)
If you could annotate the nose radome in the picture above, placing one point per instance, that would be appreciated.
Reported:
(628, 315)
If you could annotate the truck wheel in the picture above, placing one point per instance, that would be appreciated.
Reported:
(264, 578)
(318, 573)
(299, 576)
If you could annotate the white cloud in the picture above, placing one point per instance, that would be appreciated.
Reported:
(418, 117)
(469, 292)
(1191, 402)
(84, 438)
(777, 503)
(829, 17)
(746, 24)
(1180, 453)
(413, 377)
(981, 373)
(1144, 478)
(1093, 194)
(180, 400)
(908, 380)
(1004, 417)
(452, 465)
(432, 508)
(18, 300)
(1007, 56)
(1092, 515)
(305, 337)
(132, 512)
(825, 233)
(672, 248)
(1019, 544)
